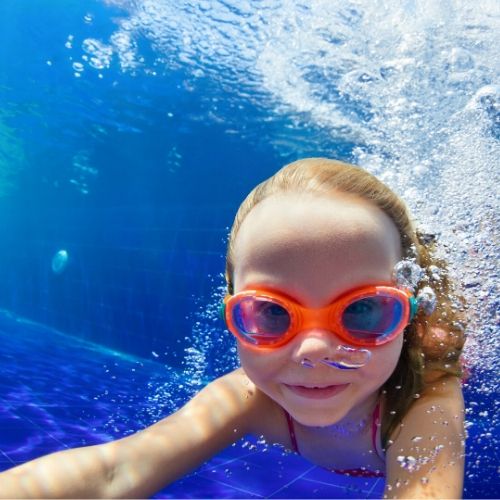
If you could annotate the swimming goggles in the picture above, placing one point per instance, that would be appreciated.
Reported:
(367, 316)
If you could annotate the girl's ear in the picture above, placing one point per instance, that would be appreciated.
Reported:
(435, 340)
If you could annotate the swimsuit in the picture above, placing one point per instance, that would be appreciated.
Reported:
(348, 472)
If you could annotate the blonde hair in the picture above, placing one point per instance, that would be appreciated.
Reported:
(432, 344)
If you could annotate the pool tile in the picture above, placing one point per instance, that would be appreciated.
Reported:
(195, 486)
(279, 461)
(377, 490)
(328, 477)
(242, 474)
(303, 488)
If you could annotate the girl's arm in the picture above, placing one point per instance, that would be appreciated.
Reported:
(426, 459)
(141, 464)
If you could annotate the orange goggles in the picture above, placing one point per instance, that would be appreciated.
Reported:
(367, 316)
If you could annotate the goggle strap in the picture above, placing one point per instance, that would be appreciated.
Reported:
(222, 311)
(413, 307)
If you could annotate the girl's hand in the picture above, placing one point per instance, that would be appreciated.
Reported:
(426, 459)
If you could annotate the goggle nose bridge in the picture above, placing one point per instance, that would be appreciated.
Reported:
(312, 318)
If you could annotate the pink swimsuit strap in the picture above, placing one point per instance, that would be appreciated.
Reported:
(347, 472)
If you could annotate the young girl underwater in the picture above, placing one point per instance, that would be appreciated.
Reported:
(349, 335)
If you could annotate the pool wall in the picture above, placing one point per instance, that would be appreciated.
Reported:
(141, 256)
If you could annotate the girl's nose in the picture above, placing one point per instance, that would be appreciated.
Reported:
(314, 344)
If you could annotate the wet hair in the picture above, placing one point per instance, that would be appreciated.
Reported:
(432, 343)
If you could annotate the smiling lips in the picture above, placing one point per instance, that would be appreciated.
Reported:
(316, 392)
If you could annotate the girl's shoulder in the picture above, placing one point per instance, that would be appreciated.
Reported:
(441, 398)
(258, 414)
(235, 397)
(427, 454)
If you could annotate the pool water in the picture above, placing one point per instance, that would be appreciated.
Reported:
(130, 132)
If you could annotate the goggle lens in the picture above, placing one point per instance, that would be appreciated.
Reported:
(261, 320)
(372, 318)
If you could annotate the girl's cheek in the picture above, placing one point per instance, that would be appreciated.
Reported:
(252, 362)
(254, 368)
(388, 356)
(259, 365)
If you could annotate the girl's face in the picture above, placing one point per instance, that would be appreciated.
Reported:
(313, 249)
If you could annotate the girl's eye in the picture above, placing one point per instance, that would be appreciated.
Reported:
(363, 306)
(364, 315)
(271, 317)
(271, 310)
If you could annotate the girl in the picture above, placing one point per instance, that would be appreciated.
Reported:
(330, 297)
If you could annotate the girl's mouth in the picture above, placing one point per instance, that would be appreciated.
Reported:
(316, 392)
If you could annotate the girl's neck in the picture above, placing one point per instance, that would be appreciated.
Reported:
(364, 409)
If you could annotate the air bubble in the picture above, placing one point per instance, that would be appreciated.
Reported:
(60, 261)
(426, 299)
(407, 274)
(460, 60)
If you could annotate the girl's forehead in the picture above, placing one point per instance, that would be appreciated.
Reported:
(292, 238)
(306, 218)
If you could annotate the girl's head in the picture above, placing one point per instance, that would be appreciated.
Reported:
(315, 230)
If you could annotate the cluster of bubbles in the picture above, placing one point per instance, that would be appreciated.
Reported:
(408, 274)
(83, 171)
(210, 352)
(210, 338)
(407, 462)
(98, 55)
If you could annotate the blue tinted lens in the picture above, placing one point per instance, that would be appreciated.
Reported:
(372, 317)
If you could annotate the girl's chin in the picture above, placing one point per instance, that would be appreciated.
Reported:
(316, 403)
(311, 416)
(315, 420)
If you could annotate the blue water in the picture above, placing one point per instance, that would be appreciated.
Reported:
(130, 131)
